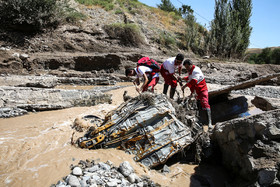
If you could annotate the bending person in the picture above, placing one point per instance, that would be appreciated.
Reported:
(196, 82)
(151, 78)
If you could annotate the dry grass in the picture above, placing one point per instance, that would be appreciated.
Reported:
(254, 50)
(167, 21)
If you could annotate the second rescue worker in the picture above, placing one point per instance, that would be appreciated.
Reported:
(167, 71)
(196, 82)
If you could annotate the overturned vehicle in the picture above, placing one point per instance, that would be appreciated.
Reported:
(148, 126)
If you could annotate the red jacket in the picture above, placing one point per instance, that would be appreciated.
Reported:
(195, 80)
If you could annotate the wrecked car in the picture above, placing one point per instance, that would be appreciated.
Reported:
(145, 126)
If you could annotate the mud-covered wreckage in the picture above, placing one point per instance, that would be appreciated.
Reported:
(152, 127)
(145, 126)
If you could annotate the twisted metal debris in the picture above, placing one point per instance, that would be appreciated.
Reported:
(145, 126)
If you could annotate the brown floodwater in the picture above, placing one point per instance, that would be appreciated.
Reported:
(36, 148)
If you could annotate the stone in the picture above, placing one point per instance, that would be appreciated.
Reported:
(93, 169)
(85, 178)
(77, 171)
(104, 176)
(50, 99)
(95, 177)
(113, 182)
(60, 184)
(140, 184)
(125, 182)
(266, 177)
(250, 151)
(23, 56)
(104, 166)
(74, 181)
(133, 178)
(109, 162)
(7, 112)
(274, 132)
(15, 55)
(126, 169)
(83, 183)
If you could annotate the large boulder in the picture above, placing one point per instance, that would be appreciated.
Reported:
(250, 147)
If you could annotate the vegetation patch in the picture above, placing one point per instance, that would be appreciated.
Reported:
(166, 39)
(128, 34)
(36, 15)
(266, 56)
(106, 4)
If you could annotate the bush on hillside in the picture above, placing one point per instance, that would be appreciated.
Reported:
(128, 34)
(167, 6)
(106, 4)
(132, 6)
(166, 40)
(35, 15)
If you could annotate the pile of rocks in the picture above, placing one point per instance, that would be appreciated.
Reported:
(260, 91)
(7, 112)
(89, 173)
(41, 99)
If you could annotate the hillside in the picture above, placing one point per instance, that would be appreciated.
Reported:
(258, 50)
(107, 39)
(128, 28)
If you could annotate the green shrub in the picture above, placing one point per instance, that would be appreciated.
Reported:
(131, 6)
(106, 4)
(275, 56)
(129, 3)
(35, 15)
(166, 39)
(118, 11)
(69, 14)
(128, 34)
(251, 62)
(267, 56)
(175, 16)
(28, 14)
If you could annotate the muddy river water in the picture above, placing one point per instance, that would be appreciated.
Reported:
(36, 150)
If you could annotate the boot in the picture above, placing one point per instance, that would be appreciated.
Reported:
(208, 111)
(165, 88)
(172, 92)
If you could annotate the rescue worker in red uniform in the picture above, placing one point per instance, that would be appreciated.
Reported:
(196, 82)
(167, 70)
(151, 78)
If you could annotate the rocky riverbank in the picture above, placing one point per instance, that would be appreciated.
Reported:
(92, 173)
